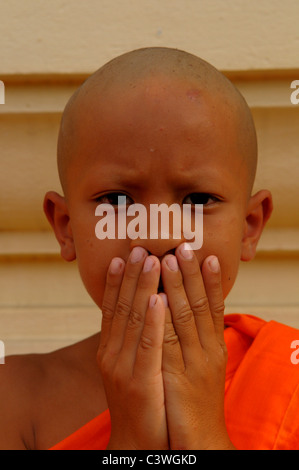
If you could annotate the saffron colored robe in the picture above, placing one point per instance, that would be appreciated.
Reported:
(261, 390)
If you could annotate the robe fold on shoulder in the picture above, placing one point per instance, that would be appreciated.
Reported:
(261, 390)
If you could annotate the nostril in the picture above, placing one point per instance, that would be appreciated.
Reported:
(169, 252)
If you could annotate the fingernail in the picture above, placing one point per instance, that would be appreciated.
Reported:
(153, 300)
(116, 266)
(172, 263)
(164, 298)
(214, 264)
(136, 254)
(186, 251)
(148, 264)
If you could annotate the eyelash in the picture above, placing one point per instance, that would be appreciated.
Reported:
(203, 196)
(114, 196)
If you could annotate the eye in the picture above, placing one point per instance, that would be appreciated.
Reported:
(115, 199)
(205, 199)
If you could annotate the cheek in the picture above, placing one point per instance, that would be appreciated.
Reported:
(93, 258)
(229, 267)
(224, 241)
(92, 255)
(229, 271)
(93, 267)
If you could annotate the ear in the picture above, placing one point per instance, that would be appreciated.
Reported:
(259, 209)
(56, 210)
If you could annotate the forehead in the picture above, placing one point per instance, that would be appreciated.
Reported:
(129, 129)
(153, 99)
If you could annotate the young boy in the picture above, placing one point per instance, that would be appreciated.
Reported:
(157, 126)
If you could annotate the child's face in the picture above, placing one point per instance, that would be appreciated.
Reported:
(160, 142)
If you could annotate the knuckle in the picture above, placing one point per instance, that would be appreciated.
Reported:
(177, 282)
(122, 307)
(119, 377)
(184, 314)
(131, 274)
(220, 356)
(146, 279)
(112, 280)
(194, 272)
(201, 306)
(224, 351)
(170, 337)
(146, 343)
(107, 309)
(218, 309)
(104, 364)
(135, 318)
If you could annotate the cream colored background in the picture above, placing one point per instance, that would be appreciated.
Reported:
(47, 49)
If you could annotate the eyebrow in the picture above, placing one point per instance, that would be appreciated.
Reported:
(122, 177)
(189, 182)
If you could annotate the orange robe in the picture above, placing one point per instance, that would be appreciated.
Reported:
(261, 390)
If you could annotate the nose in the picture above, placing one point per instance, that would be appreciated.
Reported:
(159, 247)
(161, 228)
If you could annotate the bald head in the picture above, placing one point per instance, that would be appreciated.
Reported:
(132, 70)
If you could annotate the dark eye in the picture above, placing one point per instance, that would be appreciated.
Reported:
(115, 199)
(205, 199)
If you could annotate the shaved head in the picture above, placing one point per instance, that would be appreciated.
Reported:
(132, 71)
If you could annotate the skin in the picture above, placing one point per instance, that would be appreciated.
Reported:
(160, 368)
(157, 154)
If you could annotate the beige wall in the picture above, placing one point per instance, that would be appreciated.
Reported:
(47, 50)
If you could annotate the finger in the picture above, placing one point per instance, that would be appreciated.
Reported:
(182, 315)
(125, 298)
(111, 293)
(196, 293)
(212, 279)
(148, 364)
(147, 285)
(172, 360)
